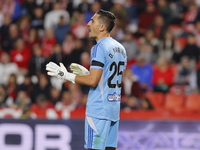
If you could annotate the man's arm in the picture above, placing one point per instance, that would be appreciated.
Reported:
(92, 79)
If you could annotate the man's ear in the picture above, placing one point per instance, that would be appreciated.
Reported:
(102, 28)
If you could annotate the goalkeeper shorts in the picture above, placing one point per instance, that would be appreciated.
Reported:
(100, 133)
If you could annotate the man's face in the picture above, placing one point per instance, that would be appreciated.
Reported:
(94, 27)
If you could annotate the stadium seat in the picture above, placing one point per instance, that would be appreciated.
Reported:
(192, 103)
(174, 102)
(156, 99)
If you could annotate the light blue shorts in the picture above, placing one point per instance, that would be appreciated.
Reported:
(100, 133)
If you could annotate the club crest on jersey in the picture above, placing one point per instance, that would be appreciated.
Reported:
(114, 97)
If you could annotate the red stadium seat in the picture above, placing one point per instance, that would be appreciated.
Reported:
(192, 103)
(156, 99)
(174, 102)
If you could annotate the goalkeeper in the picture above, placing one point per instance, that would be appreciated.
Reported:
(108, 61)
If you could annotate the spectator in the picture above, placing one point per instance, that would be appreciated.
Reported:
(131, 48)
(94, 8)
(144, 72)
(191, 49)
(6, 68)
(42, 87)
(165, 10)
(24, 26)
(13, 37)
(46, 6)
(183, 74)
(68, 44)
(197, 33)
(119, 10)
(80, 29)
(21, 56)
(37, 61)
(41, 106)
(32, 39)
(146, 18)
(75, 93)
(5, 99)
(191, 17)
(38, 18)
(61, 29)
(132, 91)
(148, 46)
(27, 85)
(74, 17)
(85, 60)
(11, 86)
(106, 5)
(66, 102)
(23, 100)
(28, 7)
(84, 6)
(4, 32)
(52, 17)
(168, 46)
(131, 85)
(48, 43)
(159, 27)
(132, 103)
(55, 95)
(184, 77)
(74, 56)
(57, 54)
(179, 10)
(118, 30)
(163, 76)
(13, 8)
(132, 12)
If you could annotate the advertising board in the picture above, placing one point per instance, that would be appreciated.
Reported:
(16, 134)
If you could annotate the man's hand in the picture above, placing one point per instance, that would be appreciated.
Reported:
(60, 72)
(78, 69)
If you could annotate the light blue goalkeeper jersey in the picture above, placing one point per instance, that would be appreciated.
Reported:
(104, 99)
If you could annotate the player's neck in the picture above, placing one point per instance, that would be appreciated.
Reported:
(102, 35)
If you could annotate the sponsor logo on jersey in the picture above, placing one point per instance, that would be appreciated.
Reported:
(114, 97)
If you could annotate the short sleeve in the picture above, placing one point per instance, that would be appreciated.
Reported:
(98, 56)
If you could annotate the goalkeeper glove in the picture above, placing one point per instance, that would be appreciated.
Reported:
(60, 72)
(78, 69)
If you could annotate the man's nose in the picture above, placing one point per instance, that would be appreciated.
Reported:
(88, 24)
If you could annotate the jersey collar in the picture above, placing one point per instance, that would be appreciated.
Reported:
(102, 39)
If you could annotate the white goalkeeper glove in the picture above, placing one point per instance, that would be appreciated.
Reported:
(60, 72)
(78, 69)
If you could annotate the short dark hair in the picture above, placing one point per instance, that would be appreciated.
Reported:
(107, 18)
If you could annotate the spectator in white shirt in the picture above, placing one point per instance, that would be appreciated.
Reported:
(6, 68)
(52, 18)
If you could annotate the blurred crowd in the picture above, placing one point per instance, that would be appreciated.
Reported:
(161, 37)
